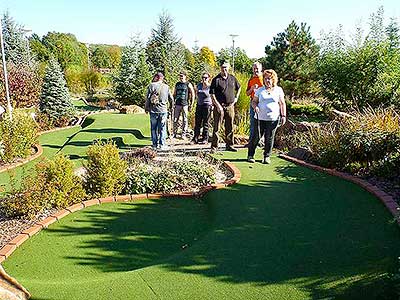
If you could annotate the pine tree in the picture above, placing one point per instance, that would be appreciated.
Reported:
(393, 33)
(55, 99)
(131, 82)
(377, 29)
(16, 46)
(293, 54)
(165, 50)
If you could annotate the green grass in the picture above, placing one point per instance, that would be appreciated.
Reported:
(283, 232)
(73, 142)
(82, 106)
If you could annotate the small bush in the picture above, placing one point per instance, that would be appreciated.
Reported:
(368, 143)
(172, 175)
(388, 167)
(17, 136)
(105, 170)
(53, 185)
(61, 187)
(306, 109)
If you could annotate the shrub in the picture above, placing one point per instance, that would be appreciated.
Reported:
(17, 136)
(25, 85)
(306, 109)
(388, 167)
(360, 75)
(73, 79)
(106, 171)
(325, 146)
(61, 187)
(366, 142)
(53, 185)
(169, 176)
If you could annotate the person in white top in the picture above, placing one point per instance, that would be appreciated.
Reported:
(270, 109)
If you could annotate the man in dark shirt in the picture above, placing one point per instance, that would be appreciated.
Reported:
(224, 92)
(184, 97)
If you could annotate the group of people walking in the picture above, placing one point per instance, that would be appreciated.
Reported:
(217, 96)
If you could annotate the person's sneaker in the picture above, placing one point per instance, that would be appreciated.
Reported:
(251, 159)
(266, 160)
(230, 148)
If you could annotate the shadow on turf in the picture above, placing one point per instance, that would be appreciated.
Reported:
(118, 140)
(263, 232)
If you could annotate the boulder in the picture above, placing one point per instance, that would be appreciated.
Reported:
(131, 109)
(300, 153)
(10, 289)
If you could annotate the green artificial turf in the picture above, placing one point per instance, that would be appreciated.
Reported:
(80, 105)
(73, 142)
(282, 232)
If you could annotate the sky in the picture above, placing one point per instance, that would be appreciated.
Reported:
(209, 22)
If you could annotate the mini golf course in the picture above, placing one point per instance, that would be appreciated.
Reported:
(282, 232)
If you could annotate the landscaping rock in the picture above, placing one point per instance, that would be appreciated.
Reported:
(131, 109)
(300, 153)
(10, 289)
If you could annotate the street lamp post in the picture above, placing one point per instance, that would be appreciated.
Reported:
(3, 55)
(233, 36)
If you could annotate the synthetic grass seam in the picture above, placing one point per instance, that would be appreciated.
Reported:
(385, 198)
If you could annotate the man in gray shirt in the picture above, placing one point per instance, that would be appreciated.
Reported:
(157, 101)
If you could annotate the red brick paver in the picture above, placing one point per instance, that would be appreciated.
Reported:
(19, 239)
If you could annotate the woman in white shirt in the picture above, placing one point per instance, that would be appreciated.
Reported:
(269, 107)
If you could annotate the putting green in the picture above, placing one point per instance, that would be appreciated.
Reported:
(73, 142)
(283, 232)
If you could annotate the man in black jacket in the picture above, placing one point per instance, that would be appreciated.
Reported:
(224, 91)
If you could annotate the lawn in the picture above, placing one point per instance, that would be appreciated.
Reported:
(283, 232)
(74, 141)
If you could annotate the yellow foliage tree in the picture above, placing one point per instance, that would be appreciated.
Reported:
(208, 56)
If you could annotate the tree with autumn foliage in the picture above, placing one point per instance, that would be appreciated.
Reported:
(23, 72)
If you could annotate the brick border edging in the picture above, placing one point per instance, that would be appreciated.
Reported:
(10, 247)
(38, 153)
(385, 198)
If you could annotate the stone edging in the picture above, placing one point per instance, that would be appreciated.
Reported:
(385, 198)
(9, 248)
(38, 153)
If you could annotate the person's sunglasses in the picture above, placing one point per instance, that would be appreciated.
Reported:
(204, 77)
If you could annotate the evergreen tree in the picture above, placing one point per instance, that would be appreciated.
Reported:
(165, 50)
(55, 99)
(377, 29)
(131, 82)
(393, 33)
(293, 54)
(16, 46)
